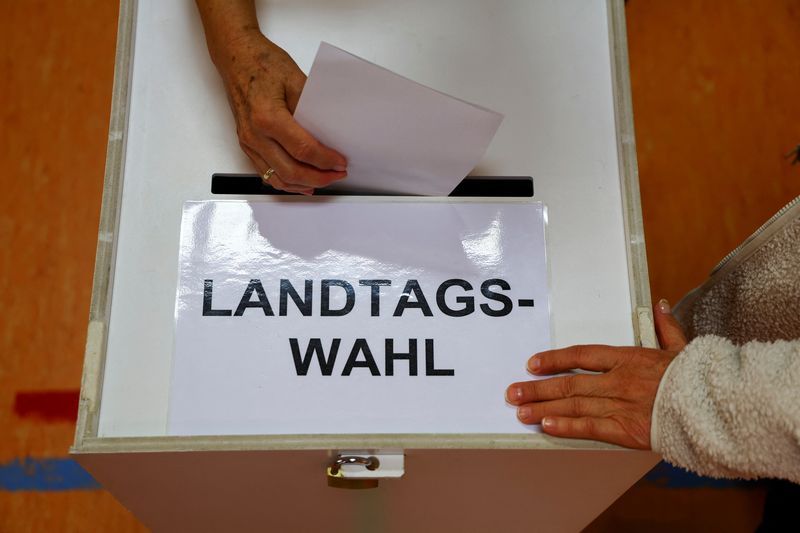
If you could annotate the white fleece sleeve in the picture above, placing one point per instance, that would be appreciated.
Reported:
(731, 411)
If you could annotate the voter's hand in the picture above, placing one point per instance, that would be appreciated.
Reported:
(614, 406)
(263, 85)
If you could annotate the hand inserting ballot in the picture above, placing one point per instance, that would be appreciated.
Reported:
(263, 85)
(614, 406)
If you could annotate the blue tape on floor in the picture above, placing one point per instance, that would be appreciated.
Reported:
(666, 475)
(45, 475)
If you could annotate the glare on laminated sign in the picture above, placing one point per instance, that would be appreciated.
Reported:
(356, 315)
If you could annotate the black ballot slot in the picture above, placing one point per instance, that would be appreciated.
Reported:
(471, 186)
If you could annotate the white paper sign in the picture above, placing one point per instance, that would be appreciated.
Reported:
(399, 137)
(421, 312)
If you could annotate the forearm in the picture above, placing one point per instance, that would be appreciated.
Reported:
(263, 85)
(227, 23)
(729, 411)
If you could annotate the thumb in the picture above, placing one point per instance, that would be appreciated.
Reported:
(670, 334)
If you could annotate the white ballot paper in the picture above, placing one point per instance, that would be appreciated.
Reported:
(356, 315)
(399, 137)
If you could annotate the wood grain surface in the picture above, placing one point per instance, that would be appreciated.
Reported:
(715, 96)
(715, 87)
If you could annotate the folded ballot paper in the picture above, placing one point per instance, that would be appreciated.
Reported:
(399, 136)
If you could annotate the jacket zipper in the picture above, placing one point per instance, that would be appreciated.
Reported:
(741, 252)
(760, 232)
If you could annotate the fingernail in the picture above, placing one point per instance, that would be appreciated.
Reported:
(534, 364)
(663, 306)
(524, 413)
(513, 394)
(339, 168)
(548, 422)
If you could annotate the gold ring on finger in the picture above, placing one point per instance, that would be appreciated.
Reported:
(267, 175)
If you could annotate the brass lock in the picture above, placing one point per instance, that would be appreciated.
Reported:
(337, 480)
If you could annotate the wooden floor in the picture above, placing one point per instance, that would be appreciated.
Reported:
(715, 87)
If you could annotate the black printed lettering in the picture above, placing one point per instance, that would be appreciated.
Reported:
(467, 301)
(430, 365)
(325, 306)
(288, 291)
(301, 364)
(263, 301)
(412, 286)
(410, 356)
(375, 292)
(361, 346)
(508, 305)
(208, 310)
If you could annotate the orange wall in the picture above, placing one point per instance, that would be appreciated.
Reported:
(716, 97)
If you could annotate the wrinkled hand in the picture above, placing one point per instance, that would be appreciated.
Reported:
(263, 85)
(614, 406)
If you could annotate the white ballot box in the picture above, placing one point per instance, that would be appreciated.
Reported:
(251, 357)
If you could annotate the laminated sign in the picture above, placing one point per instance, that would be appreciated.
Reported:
(356, 315)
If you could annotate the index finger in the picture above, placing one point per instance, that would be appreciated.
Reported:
(558, 388)
(301, 145)
(595, 357)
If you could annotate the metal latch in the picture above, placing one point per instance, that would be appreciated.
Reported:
(363, 470)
